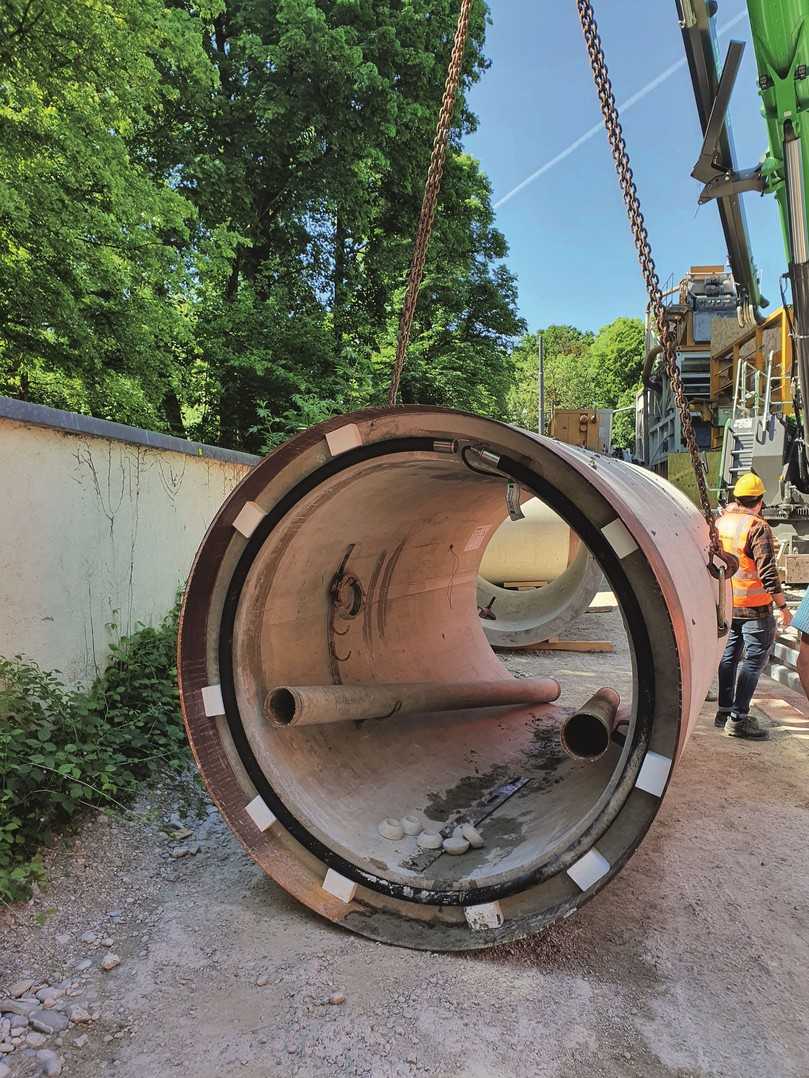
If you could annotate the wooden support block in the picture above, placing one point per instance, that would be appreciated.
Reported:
(602, 603)
(587, 646)
(796, 568)
(524, 585)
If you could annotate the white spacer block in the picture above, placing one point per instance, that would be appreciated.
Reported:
(487, 915)
(589, 869)
(212, 700)
(347, 437)
(248, 518)
(339, 886)
(654, 774)
(259, 813)
(619, 538)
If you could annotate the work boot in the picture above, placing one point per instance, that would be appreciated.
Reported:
(720, 719)
(746, 726)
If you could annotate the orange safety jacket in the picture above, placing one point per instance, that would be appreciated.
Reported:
(748, 590)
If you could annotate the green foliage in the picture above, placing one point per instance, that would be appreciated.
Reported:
(207, 213)
(92, 272)
(581, 371)
(568, 375)
(61, 751)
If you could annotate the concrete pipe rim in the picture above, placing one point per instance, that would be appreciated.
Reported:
(541, 614)
(523, 469)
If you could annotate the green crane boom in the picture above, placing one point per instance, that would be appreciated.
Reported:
(781, 42)
(780, 32)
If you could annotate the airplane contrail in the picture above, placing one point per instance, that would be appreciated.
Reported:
(594, 130)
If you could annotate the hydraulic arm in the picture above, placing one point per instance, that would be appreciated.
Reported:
(716, 166)
(780, 33)
(780, 37)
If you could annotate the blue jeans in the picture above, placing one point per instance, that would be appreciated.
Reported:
(739, 676)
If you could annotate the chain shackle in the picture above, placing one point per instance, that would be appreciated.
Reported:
(609, 110)
(430, 199)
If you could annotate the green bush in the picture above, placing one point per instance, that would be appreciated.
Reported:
(61, 751)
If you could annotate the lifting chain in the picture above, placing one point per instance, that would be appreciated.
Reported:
(431, 190)
(720, 563)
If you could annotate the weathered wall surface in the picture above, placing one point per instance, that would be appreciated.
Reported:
(100, 523)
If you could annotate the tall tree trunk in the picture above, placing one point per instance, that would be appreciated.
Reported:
(339, 282)
(173, 413)
(25, 384)
(229, 401)
(232, 286)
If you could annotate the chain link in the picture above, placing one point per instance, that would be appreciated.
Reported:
(431, 190)
(665, 331)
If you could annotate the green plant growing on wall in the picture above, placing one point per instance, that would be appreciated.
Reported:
(62, 751)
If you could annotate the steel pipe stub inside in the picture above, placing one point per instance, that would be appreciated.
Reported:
(313, 705)
(349, 558)
(587, 734)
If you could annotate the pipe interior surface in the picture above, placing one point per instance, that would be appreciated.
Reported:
(409, 530)
(363, 569)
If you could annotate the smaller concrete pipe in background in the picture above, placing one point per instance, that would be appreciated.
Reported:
(587, 734)
(309, 705)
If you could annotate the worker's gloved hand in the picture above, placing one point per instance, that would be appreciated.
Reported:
(784, 617)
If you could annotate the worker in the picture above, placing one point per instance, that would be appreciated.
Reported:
(756, 587)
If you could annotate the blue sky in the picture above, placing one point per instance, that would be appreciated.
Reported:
(569, 240)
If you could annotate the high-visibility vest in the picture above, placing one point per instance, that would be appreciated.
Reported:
(748, 589)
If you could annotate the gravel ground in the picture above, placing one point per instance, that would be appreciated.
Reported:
(573, 669)
(694, 961)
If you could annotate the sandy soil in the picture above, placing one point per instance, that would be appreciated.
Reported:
(694, 961)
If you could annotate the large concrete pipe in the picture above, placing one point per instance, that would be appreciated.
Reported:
(349, 557)
(539, 547)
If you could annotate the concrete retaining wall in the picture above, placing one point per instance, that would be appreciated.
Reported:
(99, 523)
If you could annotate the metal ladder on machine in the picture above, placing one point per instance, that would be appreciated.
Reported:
(752, 401)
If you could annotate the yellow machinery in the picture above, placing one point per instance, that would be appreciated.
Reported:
(701, 305)
(588, 428)
(751, 372)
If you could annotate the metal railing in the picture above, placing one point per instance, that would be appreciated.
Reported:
(752, 399)
(752, 395)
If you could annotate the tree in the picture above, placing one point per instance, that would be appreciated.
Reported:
(581, 371)
(569, 377)
(92, 274)
(207, 211)
(617, 353)
(309, 160)
(466, 320)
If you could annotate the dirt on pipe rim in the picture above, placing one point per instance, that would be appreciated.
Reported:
(350, 555)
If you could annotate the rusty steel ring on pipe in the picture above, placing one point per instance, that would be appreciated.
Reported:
(384, 498)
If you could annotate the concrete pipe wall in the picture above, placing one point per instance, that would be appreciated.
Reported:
(540, 547)
(350, 556)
